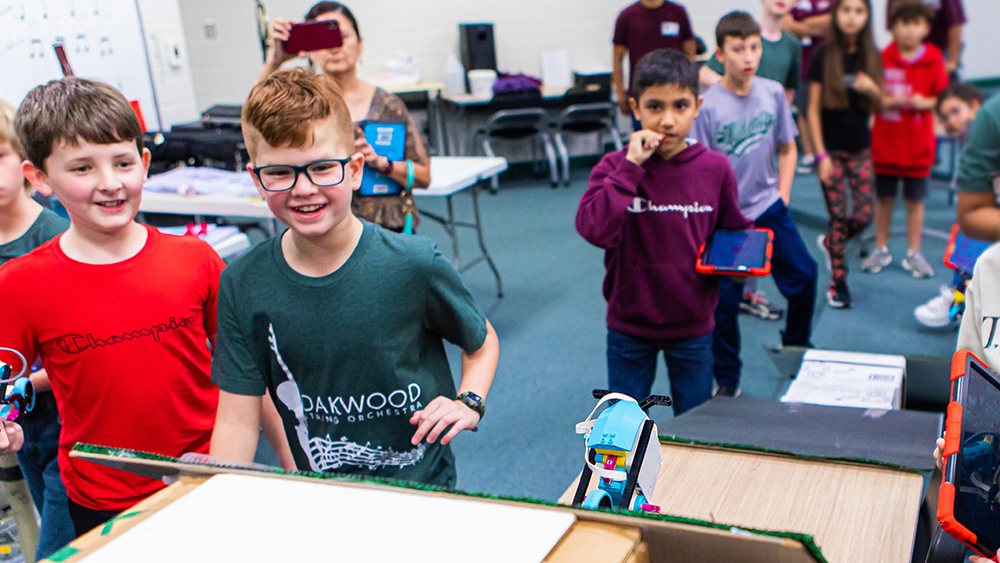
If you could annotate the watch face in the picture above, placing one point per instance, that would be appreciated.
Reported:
(474, 402)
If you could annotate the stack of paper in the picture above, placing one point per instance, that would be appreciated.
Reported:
(849, 379)
(193, 180)
(228, 241)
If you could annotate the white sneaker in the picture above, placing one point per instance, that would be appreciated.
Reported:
(806, 165)
(878, 259)
(936, 313)
(821, 242)
(917, 265)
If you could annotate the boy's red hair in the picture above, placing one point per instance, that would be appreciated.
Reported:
(282, 108)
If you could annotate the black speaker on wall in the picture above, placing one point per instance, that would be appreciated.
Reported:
(477, 46)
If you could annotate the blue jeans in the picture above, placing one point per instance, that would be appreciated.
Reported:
(794, 273)
(632, 367)
(41, 470)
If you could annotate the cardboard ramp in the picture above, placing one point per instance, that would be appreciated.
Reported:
(595, 536)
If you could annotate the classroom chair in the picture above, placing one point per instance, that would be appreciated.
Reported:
(518, 125)
(585, 119)
(945, 549)
(422, 102)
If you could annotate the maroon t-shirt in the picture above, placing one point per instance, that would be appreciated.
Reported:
(947, 13)
(642, 30)
(805, 10)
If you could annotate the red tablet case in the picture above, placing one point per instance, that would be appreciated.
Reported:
(751, 273)
(950, 248)
(952, 443)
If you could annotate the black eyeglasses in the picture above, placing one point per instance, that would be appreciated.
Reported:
(283, 177)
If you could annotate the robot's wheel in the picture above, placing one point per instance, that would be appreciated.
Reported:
(605, 502)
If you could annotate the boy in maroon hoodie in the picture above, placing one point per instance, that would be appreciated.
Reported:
(651, 206)
(903, 139)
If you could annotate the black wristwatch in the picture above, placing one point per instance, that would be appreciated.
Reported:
(474, 402)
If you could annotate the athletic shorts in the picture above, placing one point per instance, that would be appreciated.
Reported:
(914, 189)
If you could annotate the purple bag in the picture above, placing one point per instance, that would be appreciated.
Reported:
(512, 82)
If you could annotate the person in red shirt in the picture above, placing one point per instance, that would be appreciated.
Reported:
(903, 138)
(120, 314)
(642, 28)
(947, 20)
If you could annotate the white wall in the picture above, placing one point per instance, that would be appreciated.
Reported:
(168, 61)
(225, 68)
(979, 59)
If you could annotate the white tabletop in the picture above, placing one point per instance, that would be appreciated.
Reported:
(449, 175)
(414, 88)
(470, 100)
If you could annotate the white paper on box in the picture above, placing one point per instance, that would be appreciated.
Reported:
(849, 379)
(237, 518)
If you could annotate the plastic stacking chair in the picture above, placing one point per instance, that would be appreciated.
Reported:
(945, 549)
(586, 119)
(518, 125)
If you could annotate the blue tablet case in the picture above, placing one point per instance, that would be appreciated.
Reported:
(967, 251)
(388, 140)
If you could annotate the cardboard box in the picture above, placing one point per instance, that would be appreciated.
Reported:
(664, 539)
(849, 379)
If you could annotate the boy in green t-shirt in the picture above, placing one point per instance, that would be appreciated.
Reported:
(340, 321)
(781, 51)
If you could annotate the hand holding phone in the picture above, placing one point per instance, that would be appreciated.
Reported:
(279, 33)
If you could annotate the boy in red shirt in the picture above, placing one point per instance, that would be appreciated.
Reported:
(120, 314)
(903, 139)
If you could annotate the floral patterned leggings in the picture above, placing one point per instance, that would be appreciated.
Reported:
(856, 168)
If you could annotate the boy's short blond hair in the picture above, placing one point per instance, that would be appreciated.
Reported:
(7, 132)
(70, 109)
(282, 109)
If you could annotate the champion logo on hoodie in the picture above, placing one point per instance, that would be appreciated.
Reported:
(640, 205)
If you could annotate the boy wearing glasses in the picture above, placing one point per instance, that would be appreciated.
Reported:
(340, 321)
(120, 314)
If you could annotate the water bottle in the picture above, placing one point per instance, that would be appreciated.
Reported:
(454, 76)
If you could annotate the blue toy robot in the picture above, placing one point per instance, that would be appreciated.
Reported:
(618, 452)
(16, 394)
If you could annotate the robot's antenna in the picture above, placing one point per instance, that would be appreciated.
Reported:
(600, 393)
(655, 400)
(24, 366)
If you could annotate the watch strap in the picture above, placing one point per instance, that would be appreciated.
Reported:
(474, 402)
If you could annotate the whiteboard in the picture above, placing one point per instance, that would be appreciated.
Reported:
(103, 41)
(237, 518)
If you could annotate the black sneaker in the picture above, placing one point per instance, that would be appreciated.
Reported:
(757, 305)
(728, 391)
(838, 296)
